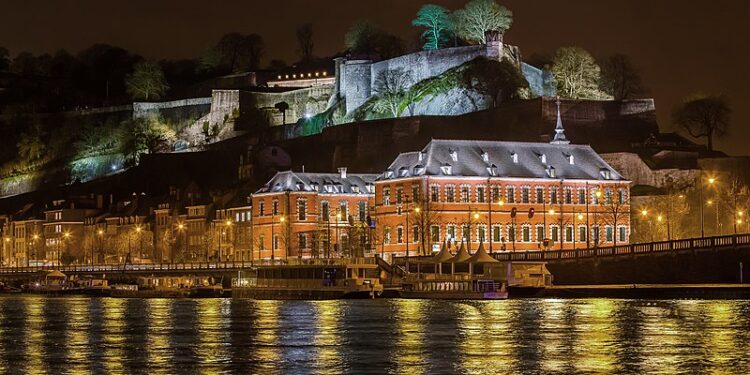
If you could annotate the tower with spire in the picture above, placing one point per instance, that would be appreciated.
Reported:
(560, 138)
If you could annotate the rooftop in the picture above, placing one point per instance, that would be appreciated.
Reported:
(325, 183)
(474, 158)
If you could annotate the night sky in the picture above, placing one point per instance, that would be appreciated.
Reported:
(680, 47)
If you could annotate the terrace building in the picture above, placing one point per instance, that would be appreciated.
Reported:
(313, 215)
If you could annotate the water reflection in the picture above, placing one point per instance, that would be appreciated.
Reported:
(118, 336)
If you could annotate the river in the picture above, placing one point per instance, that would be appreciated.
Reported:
(161, 336)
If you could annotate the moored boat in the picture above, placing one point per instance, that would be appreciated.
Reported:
(51, 282)
(311, 279)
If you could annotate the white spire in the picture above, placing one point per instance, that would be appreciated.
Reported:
(559, 130)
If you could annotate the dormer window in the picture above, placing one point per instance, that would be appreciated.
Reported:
(492, 170)
(420, 155)
(543, 158)
(418, 169)
(328, 188)
(605, 173)
(551, 173)
(370, 188)
(514, 157)
(403, 172)
(570, 158)
(485, 157)
(315, 186)
(447, 169)
(454, 155)
(300, 186)
(388, 173)
(355, 189)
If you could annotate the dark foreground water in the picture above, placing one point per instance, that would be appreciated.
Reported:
(82, 335)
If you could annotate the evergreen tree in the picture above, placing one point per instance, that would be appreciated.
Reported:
(437, 23)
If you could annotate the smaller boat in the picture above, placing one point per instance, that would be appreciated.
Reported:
(94, 286)
(207, 288)
(51, 282)
(7, 289)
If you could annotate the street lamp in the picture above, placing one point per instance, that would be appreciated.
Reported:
(181, 229)
(282, 220)
(337, 245)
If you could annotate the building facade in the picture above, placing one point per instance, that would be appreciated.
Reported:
(507, 195)
(313, 215)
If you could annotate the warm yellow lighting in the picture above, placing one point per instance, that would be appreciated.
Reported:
(740, 213)
(659, 218)
(598, 193)
(580, 217)
(66, 234)
(644, 212)
(7, 239)
(551, 211)
(229, 222)
(739, 221)
(282, 219)
(711, 180)
(709, 202)
(325, 73)
(417, 209)
(338, 216)
(138, 229)
(180, 226)
(36, 237)
(100, 232)
(681, 196)
(476, 215)
(500, 202)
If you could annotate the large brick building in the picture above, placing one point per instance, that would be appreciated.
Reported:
(508, 195)
(312, 215)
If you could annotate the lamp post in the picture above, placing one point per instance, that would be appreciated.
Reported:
(282, 220)
(138, 230)
(66, 235)
(35, 239)
(598, 195)
(100, 233)
(578, 218)
(417, 211)
(181, 229)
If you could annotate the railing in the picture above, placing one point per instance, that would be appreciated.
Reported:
(694, 244)
(197, 266)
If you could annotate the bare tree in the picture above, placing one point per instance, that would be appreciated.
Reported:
(424, 216)
(478, 17)
(704, 116)
(305, 41)
(619, 78)
(390, 89)
(616, 209)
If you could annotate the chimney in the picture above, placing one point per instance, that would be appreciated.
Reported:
(342, 172)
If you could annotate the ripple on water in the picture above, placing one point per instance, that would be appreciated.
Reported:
(160, 336)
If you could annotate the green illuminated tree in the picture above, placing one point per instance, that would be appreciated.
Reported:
(437, 23)
(619, 78)
(147, 82)
(30, 146)
(577, 74)
(480, 16)
(704, 116)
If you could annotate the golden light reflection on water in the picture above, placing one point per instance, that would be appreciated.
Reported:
(77, 338)
(266, 325)
(327, 340)
(410, 326)
(33, 337)
(556, 334)
(594, 350)
(113, 326)
(212, 333)
(160, 319)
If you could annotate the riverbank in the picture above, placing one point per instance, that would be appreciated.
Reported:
(649, 291)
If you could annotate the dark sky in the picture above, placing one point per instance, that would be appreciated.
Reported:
(680, 47)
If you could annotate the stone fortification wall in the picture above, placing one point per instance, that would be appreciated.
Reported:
(356, 83)
(302, 102)
(597, 110)
(427, 64)
(633, 168)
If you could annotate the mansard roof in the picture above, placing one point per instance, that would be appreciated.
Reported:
(473, 158)
(324, 183)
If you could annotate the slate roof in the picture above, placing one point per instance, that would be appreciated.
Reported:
(502, 159)
(325, 183)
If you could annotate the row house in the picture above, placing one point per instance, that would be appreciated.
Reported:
(507, 195)
(63, 233)
(231, 230)
(299, 214)
(23, 244)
